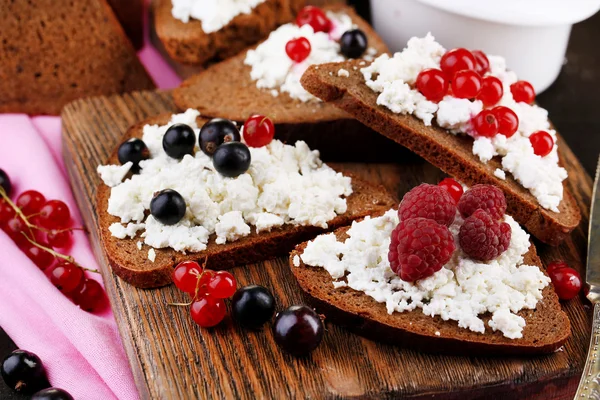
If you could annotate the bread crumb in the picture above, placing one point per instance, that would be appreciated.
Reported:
(500, 174)
(437, 333)
(343, 72)
(139, 245)
(296, 260)
(151, 255)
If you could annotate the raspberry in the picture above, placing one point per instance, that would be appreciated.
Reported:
(419, 248)
(485, 197)
(483, 238)
(428, 201)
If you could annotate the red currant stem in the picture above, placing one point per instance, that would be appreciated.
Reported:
(59, 255)
(181, 304)
(199, 277)
(18, 211)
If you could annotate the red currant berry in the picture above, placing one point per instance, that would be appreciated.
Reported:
(491, 91)
(298, 49)
(315, 17)
(258, 131)
(17, 229)
(457, 60)
(222, 285)
(567, 282)
(453, 187)
(433, 84)
(90, 297)
(59, 239)
(553, 266)
(6, 212)
(185, 276)
(30, 202)
(522, 91)
(542, 143)
(466, 84)
(66, 276)
(482, 64)
(54, 215)
(40, 257)
(508, 122)
(208, 311)
(486, 124)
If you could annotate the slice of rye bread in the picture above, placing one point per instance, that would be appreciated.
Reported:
(55, 51)
(226, 90)
(451, 153)
(133, 265)
(547, 327)
(189, 44)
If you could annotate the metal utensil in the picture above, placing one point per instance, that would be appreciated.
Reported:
(589, 386)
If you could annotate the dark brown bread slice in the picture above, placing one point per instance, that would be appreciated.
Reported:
(547, 327)
(131, 16)
(187, 42)
(55, 51)
(225, 90)
(451, 153)
(132, 264)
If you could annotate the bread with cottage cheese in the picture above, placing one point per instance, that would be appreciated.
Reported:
(451, 153)
(133, 265)
(54, 52)
(547, 326)
(225, 90)
(187, 43)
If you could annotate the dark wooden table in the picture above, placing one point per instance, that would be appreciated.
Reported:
(571, 101)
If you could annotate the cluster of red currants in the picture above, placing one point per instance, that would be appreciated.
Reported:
(39, 227)
(462, 74)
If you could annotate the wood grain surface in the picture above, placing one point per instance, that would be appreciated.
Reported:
(172, 358)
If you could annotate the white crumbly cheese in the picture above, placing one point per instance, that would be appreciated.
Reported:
(343, 73)
(285, 184)
(139, 245)
(296, 260)
(112, 175)
(461, 291)
(437, 333)
(394, 79)
(214, 14)
(271, 67)
(152, 255)
(500, 174)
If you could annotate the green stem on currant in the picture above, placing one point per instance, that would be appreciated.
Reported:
(59, 255)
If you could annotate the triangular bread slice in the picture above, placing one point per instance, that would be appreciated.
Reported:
(133, 265)
(225, 90)
(187, 43)
(451, 153)
(547, 327)
(56, 51)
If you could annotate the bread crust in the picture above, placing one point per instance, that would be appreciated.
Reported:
(547, 329)
(133, 266)
(451, 153)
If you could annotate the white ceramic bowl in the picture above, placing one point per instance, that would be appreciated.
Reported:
(531, 34)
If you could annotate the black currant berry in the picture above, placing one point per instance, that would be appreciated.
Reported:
(232, 159)
(253, 306)
(353, 43)
(179, 140)
(52, 394)
(298, 330)
(5, 182)
(134, 150)
(23, 372)
(168, 207)
(216, 132)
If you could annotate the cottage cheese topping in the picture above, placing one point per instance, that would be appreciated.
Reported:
(284, 185)
(394, 78)
(273, 69)
(214, 14)
(461, 291)
(112, 175)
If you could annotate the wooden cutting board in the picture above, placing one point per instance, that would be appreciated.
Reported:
(171, 358)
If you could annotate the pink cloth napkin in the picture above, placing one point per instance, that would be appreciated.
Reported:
(82, 352)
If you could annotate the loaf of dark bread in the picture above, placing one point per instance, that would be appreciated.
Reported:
(547, 327)
(56, 51)
(188, 43)
(226, 90)
(451, 153)
(132, 264)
